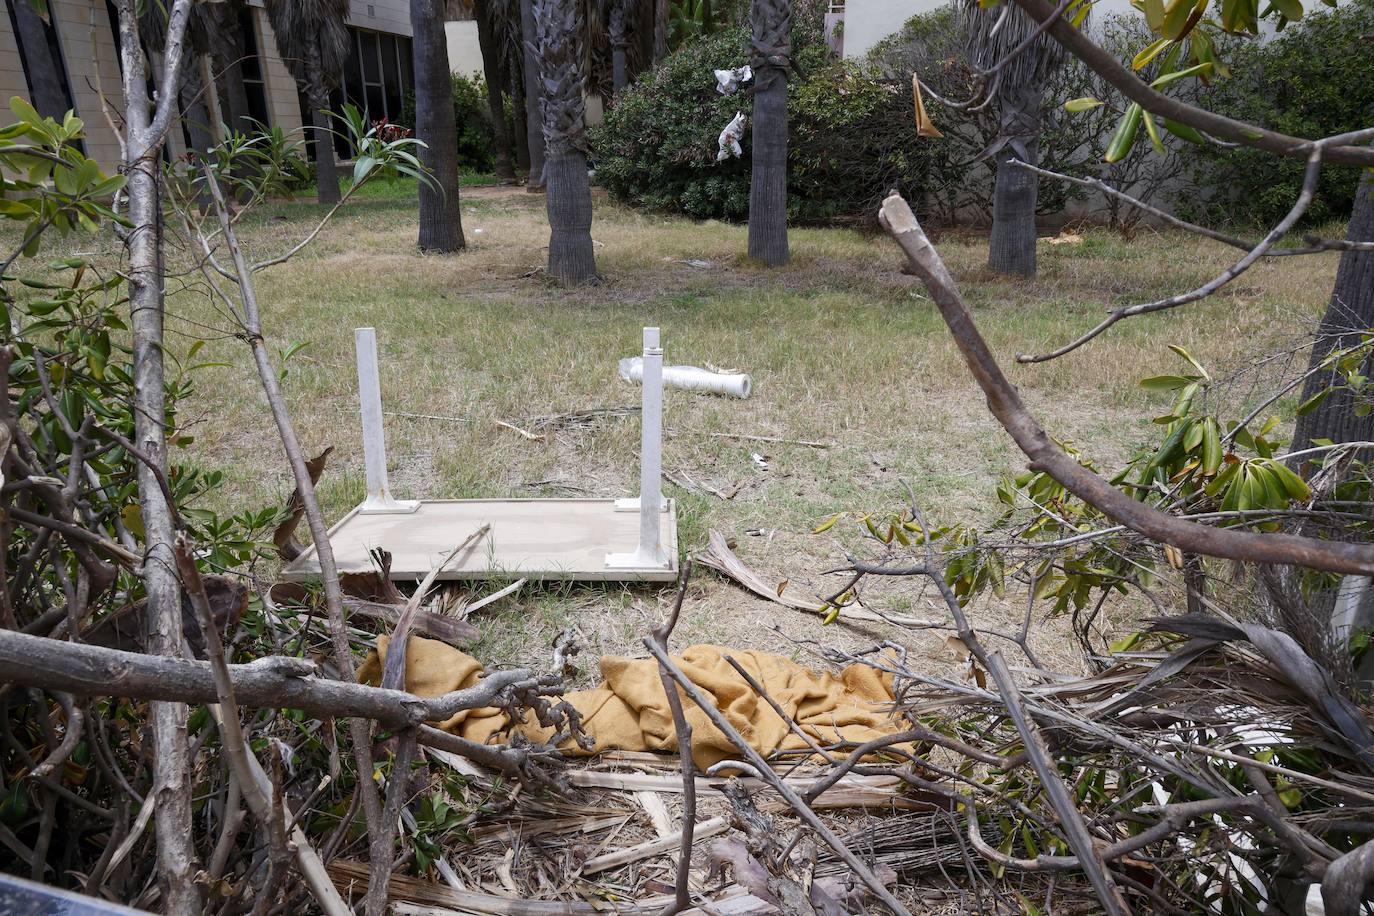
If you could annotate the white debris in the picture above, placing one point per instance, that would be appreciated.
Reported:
(691, 378)
(760, 461)
(729, 81)
(730, 137)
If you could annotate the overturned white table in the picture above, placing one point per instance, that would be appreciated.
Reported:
(632, 539)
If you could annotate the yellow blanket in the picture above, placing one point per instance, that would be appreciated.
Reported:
(629, 711)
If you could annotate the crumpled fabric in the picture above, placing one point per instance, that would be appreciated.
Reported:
(730, 137)
(629, 711)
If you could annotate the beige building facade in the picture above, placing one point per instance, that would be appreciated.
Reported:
(80, 39)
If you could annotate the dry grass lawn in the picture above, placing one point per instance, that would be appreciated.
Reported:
(842, 347)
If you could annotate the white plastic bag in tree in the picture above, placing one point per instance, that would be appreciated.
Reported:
(729, 81)
(730, 137)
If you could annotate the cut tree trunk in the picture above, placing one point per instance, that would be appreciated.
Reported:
(771, 22)
(534, 119)
(495, 79)
(1349, 315)
(1011, 245)
(195, 113)
(441, 226)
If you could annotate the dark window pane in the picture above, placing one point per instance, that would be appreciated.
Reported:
(407, 67)
(372, 67)
(376, 103)
(252, 70)
(353, 75)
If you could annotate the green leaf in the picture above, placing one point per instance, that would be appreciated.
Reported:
(1184, 132)
(1124, 137)
(1150, 52)
(1082, 104)
(1166, 382)
(1152, 129)
(26, 112)
(1202, 69)
(1154, 15)
(1314, 402)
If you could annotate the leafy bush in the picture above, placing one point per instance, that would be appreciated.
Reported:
(472, 117)
(1305, 82)
(853, 136)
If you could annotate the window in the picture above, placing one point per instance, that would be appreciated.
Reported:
(377, 75)
(251, 67)
(40, 56)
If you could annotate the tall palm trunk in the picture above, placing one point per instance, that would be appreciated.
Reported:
(326, 169)
(771, 57)
(227, 53)
(520, 126)
(569, 203)
(314, 41)
(1018, 91)
(441, 226)
(617, 29)
(1011, 246)
(534, 118)
(44, 70)
(492, 69)
(1349, 315)
(195, 113)
(660, 29)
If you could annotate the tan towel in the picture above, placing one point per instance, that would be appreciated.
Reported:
(629, 711)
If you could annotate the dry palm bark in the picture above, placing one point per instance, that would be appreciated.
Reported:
(534, 131)
(571, 259)
(771, 57)
(312, 37)
(618, 31)
(1018, 90)
(441, 224)
(1348, 317)
(490, 16)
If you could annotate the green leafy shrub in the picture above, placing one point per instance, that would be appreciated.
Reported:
(853, 136)
(1305, 82)
(472, 117)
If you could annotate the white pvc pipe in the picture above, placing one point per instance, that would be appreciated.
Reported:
(692, 378)
(379, 497)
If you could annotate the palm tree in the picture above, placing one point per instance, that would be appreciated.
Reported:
(1018, 89)
(1349, 315)
(441, 224)
(533, 95)
(223, 27)
(195, 112)
(770, 57)
(559, 35)
(618, 31)
(490, 15)
(312, 38)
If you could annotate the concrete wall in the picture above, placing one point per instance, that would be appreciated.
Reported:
(12, 81)
(464, 53)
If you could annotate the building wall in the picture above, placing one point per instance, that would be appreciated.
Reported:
(464, 53)
(381, 16)
(11, 69)
(283, 100)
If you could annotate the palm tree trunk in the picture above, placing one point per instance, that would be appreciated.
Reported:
(520, 128)
(617, 24)
(491, 68)
(43, 69)
(195, 113)
(772, 49)
(441, 226)
(226, 52)
(660, 29)
(569, 202)
(326, 170)
(1011, 246)
(1349, 314)
(534, 119)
